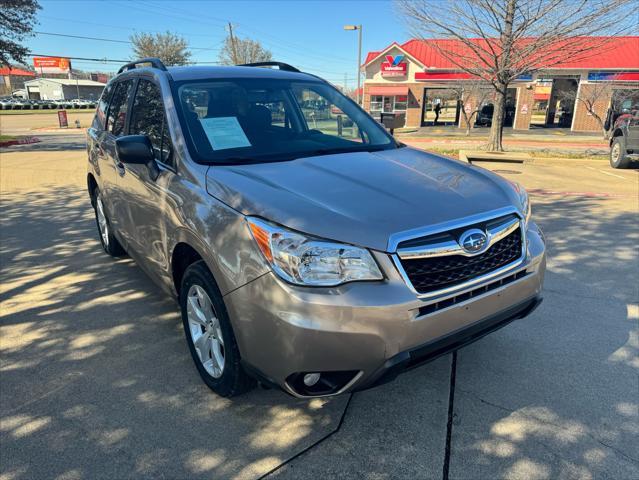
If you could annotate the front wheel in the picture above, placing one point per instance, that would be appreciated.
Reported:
(618, 156)
(209, 333)
(109, 243)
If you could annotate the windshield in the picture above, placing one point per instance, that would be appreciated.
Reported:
(264, 120)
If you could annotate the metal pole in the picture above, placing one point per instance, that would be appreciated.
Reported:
(359, 63)
(77, 86)
(233, 48)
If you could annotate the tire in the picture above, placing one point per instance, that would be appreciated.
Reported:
(110, 244)
(206, 322)
(618, 156)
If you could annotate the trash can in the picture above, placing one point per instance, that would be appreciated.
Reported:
(392, 120)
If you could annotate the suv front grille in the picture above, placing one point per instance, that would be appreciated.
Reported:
(437, 273)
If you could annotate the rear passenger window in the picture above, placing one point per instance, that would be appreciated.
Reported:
(147, 118)
(103, 104)
(118, 108)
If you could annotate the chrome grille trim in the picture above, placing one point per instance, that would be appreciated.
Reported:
(452, 247)
(439, 295)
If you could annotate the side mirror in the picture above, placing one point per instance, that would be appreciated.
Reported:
(134, 149)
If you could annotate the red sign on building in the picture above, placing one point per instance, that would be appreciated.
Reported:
(394, 67)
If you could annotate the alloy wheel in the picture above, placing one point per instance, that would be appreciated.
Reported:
(205, 331)
(616, 152)
(103, 225)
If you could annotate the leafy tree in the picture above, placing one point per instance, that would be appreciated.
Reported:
(17, 19)
(168, 47)
(500, 40)
(237, 51)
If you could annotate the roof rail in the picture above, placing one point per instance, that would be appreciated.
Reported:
(282, 66)
(155, 63)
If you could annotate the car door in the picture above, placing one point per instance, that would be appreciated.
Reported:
(633, 133)
(145, 188)
(103, 168)
(116, 122)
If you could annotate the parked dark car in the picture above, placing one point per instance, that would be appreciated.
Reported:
(624, 138)
(485, 115)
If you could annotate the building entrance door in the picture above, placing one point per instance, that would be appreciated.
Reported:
(440, 107)
(554, 102)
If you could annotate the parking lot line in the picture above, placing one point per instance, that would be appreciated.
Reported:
(607, 173)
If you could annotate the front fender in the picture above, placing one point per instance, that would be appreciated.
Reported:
(222, 238)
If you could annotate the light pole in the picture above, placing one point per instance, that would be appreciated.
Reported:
(359, 55)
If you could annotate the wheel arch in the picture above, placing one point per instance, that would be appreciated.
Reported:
(92, 184)
(182, 256)
(616, 133)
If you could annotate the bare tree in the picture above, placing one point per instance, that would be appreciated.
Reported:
(500, 40)
(236, 51)
(596, 98)
(591, 96)
(471, 95)
(168, 47)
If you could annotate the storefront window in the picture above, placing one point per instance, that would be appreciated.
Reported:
(401, 102)
(376, 103)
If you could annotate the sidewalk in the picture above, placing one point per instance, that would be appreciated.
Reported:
(539, 142)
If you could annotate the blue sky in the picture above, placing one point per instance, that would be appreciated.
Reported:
(308, 34)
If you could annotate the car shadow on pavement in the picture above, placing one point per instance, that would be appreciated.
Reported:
(51, 143)
(555, 395)
(97, 381)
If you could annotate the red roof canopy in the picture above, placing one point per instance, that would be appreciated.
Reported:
(16, 71)
(621, 53)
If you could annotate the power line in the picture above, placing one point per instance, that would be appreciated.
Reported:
(82, 37)
(286, 45)
(101, 60)
(131, 29)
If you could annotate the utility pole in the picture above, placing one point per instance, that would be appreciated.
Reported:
(233, 48)
(359, 56)
(359, 65)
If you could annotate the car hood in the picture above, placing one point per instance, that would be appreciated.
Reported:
(360, 198)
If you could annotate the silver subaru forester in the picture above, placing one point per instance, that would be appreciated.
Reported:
(308, 249)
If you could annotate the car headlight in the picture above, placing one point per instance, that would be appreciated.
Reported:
(310, 261)
(524, 201)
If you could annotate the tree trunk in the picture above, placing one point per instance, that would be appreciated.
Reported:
(497, 126)
(601, 124)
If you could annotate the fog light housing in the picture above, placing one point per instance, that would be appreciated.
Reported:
(311, 379)
(313, 384)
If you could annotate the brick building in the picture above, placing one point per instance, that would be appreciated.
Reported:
(414, 80)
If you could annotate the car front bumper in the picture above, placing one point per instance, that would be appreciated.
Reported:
(370, 331)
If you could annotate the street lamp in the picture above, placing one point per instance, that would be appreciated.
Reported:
(359, 54)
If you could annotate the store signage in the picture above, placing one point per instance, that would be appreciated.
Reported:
(613, 76)
(394, 66)
(52, 64)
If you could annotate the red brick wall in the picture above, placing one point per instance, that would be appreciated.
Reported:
(523, 112)
(584, 122)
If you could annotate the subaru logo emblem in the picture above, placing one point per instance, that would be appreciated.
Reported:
(473, 241)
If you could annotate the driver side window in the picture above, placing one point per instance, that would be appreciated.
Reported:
(148, 118)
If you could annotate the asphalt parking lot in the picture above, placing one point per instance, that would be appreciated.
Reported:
(96, 380)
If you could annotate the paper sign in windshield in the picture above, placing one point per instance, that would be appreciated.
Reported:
(224, 132)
